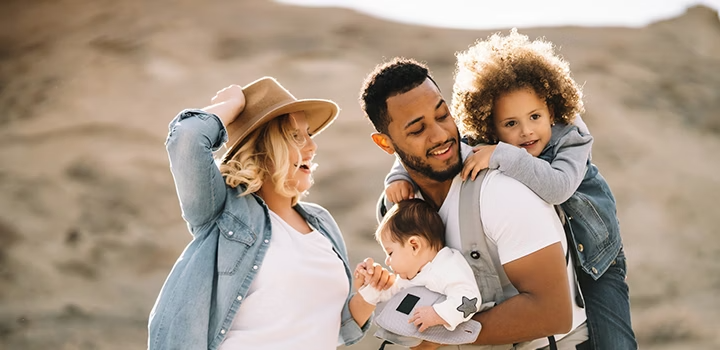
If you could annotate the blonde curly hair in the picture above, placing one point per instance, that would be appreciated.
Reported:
(268, 147)
(503, 64)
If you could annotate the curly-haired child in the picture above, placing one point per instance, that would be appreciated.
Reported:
(518, 96)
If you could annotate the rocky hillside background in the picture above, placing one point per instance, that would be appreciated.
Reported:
(89, 221)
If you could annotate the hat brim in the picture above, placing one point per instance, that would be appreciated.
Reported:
(319, 113)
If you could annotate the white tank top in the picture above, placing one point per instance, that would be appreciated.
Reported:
(296, 298)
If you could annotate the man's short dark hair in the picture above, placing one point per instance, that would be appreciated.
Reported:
(413, 217)
(388, 79)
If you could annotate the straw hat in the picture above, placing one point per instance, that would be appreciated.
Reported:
(266, 99)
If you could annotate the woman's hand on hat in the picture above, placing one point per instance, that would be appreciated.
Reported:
(229, 93)
(228, 103)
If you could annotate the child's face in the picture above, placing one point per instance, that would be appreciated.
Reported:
(524, 120)
(403, 259)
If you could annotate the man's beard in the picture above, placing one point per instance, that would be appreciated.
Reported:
(418, 165)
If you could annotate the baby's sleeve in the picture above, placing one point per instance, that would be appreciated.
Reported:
(373, 295)
(461, 290)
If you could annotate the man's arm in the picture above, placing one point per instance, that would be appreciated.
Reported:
(542, 307)
(528, 236)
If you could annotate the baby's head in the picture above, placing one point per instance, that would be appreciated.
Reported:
(411, 233)
(499, 66)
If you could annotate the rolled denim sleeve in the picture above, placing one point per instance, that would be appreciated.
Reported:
(194, 134)
(350, 331)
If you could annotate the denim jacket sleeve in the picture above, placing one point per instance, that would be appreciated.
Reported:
(555, 181)
(350, 331)
(194, 134)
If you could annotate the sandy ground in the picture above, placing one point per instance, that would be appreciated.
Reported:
(89, 221)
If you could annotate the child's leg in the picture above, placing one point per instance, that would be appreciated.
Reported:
(607, 304)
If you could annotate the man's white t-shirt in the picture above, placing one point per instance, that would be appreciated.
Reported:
(517, 223)
(296, 299)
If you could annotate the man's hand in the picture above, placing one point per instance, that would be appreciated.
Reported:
(477, 161)
(425, 317)
(399, 190)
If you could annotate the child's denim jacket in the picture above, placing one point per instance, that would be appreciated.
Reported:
(210, 279)
(590, 212)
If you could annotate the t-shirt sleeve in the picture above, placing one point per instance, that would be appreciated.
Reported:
(516, 219)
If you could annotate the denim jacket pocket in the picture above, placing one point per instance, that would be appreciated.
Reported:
(588, 225)
(234, 240)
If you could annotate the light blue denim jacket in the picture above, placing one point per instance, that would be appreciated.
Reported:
(564, 175)
(210, 279)
(591, 210)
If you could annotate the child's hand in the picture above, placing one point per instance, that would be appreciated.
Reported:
(398, 190)
(426, 317)
(477, 161)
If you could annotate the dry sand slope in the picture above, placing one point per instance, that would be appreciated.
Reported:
(89, 222)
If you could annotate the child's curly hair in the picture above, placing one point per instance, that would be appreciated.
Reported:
(503, 64)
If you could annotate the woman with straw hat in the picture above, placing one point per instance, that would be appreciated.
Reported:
(263, 270)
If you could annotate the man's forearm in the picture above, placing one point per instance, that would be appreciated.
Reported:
(543, 306)
(519, 319)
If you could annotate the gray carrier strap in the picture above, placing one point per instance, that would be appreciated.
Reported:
(474, 244)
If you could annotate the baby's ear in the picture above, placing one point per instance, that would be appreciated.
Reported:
(415, 243)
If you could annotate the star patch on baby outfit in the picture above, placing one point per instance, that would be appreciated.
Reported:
(468, 306)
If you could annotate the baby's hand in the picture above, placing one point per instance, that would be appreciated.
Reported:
(477, 161)
(426, 317)
(398, 190)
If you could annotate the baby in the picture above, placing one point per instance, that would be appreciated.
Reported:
(413, 237)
